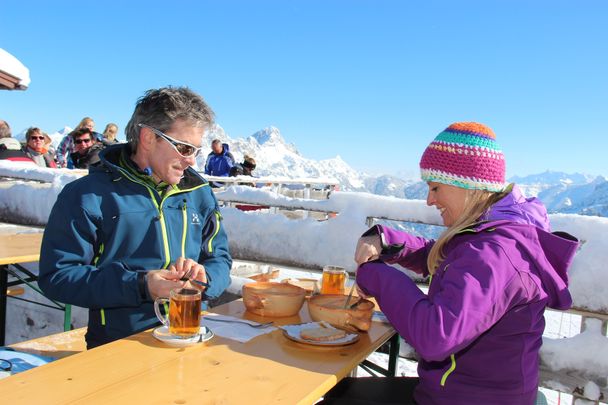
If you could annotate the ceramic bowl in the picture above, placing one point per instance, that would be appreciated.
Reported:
(273, 299)
(330, 308)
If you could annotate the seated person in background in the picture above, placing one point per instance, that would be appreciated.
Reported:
(10, 148)
(109, 134)
(243, 169)
(86, 149)
(37, 143)
(66, 146)
(220, 160)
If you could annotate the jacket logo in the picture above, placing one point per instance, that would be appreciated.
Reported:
(195, 220)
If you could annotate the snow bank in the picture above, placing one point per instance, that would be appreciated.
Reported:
(307, 241)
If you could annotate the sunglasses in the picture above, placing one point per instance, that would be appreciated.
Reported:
(37, 138)
(79, 141)
(183, 148)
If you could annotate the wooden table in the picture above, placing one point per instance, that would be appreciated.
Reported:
(15, 248)
(139, 369)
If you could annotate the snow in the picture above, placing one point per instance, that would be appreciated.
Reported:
(316, 243)
(263, 235)
(12, 66)
(585, 351)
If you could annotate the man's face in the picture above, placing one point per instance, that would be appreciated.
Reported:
(82, 142)
(166, 162)
(36, 142)
(217, 148)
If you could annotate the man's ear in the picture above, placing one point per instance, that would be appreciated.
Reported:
(146, 138)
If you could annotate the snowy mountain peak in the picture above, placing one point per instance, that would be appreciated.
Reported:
(268, 135)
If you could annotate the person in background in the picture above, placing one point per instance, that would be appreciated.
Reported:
(37, 147)
(10, 148)
(66, 145)
(138, 223)
(492, 272)
(243, 169)
(86, 149)
(220, 160)
(109, 134)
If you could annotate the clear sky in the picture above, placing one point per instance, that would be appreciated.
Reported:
(371, 81)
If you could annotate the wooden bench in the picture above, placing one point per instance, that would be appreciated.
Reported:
(59, 345)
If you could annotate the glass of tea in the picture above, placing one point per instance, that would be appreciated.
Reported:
(334, 280)
(184, 312)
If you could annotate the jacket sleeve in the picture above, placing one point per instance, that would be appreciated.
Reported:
(469, 300)
(67, 271)
(215, 256)
(62, 152)
(402, 248)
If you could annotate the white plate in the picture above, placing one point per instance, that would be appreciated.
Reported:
(162, 333)
(292, 332)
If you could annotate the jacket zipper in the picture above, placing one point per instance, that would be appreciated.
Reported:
(184, 229)
(450, 370)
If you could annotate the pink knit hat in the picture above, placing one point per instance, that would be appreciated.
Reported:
(465, 155)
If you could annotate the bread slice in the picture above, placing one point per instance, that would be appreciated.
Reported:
(322, 334)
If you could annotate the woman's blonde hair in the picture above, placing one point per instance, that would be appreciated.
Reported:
(110, 131)
(83, 122)
(477, 202)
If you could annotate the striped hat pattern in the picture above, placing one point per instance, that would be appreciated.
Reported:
(465, 155)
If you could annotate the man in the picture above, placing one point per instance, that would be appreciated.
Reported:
(220, 160)
(138, 223)
(86, 149)
(10, 148)
(36, 147)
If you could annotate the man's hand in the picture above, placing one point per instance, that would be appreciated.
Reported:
(161, 282)
(368, 248)
(191, 270)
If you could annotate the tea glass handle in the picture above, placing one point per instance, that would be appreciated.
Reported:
(159, 315)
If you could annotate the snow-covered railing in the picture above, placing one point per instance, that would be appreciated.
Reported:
(576, 364)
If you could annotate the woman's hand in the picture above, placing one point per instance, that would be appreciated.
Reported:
(368, 249)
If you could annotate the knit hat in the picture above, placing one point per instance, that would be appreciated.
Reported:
(465, 155)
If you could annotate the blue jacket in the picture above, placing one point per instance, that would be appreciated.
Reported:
(219, 165)
(110, 225)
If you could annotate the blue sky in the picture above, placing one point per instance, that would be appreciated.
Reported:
(371, 81)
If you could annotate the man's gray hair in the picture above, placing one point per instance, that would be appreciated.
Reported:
(160, 108)
(5, 130)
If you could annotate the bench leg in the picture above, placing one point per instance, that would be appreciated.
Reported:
(393, 354)
(67, 318)
(3, 287)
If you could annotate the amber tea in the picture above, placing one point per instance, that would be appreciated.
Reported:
(334, 280)
(184, 312)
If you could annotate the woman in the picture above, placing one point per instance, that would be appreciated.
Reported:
(38, 147)
(492, 273)
(109, 134)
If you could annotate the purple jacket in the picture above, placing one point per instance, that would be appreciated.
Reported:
(479, 329)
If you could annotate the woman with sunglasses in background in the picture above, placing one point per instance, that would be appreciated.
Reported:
(37, 147)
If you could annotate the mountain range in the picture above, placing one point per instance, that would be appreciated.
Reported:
(560, 192)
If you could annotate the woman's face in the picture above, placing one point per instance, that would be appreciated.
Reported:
(449, 200)
(36, 141)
